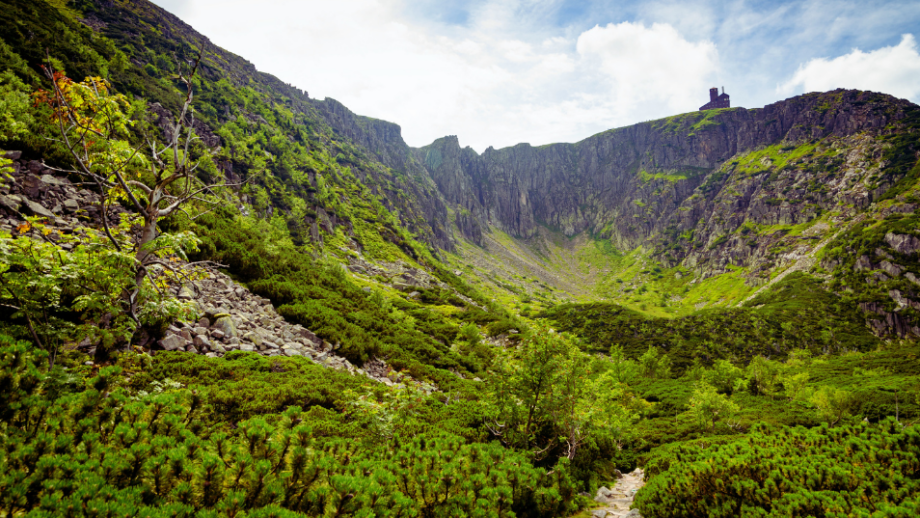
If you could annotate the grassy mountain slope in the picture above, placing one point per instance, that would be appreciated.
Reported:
(741, 268)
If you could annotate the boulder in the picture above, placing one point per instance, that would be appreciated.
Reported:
(172, 343)
(248, 347)
(12, 155)
(36, 209)
(53, 180)
(225, 323)
(12, 203)
(912, 278)
(217, 334)
(186, 292)
(255, 338)
(892, 269)
(71, 205)
(904, 243)
(202, 342)
(200, 331)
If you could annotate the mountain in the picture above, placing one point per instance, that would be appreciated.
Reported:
(376, 329)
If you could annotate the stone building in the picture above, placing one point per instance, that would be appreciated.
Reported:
(716, 100)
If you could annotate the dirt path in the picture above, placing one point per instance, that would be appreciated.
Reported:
(619, 499)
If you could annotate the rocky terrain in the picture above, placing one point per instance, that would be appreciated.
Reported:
(232, 318)
(618, 501)
(632, 184)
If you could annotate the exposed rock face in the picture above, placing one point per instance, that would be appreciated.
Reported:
(422, 211)
(633, 183)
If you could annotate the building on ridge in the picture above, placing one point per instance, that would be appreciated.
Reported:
(716, 100)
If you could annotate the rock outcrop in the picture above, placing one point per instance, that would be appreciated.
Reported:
(636, 183)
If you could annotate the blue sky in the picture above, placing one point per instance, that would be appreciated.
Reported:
(499, 72)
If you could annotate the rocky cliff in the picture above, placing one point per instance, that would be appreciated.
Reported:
(631, 184)
(761, 192)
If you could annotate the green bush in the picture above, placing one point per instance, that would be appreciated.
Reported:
(857, 470)
(101, 450)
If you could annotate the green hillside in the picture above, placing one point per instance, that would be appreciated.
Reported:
(328, 326)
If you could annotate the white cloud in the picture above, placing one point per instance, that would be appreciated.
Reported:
(649, 66)
(495, 81)
(893, 70)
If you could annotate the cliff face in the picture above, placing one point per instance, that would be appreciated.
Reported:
(642, 182)
(409, 190)
(762, 192)
(633, 184)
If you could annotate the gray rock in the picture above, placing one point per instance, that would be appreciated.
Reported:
(233, 341)
(269, 345)
(862, 263)
(225, 324)
(187, 292)
(904, 243)
(186, 333)
(892, 269)
(217, 334)
(912, 278)
(200, 331)
(53, 180)
(191, 349)
(202, 342)
(255, 338)
(600, 513)
(172, 343)
(71, 205)
(633, 513)
(292, 352)
(12, 155)
(219, 348)
(36, 209)
(204, 322)
(247, 347)
(11, 202)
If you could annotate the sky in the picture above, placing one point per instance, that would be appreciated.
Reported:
(500, 72)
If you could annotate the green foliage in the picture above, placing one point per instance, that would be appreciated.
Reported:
(820, 322)
(654, 365)
(544, 399)
(57, 297)
(100, 450)
(857, 470)
(723, 376)
(15, 116)
(707, 406)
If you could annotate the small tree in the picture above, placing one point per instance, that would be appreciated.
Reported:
(833, 403)
(653, 365)
(94, 125)
(623, 368)
(708, 406)
(723, 376)
(763, 375)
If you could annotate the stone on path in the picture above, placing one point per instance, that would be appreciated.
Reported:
(618, 500)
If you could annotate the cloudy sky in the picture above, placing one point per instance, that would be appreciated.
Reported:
(500, 72)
